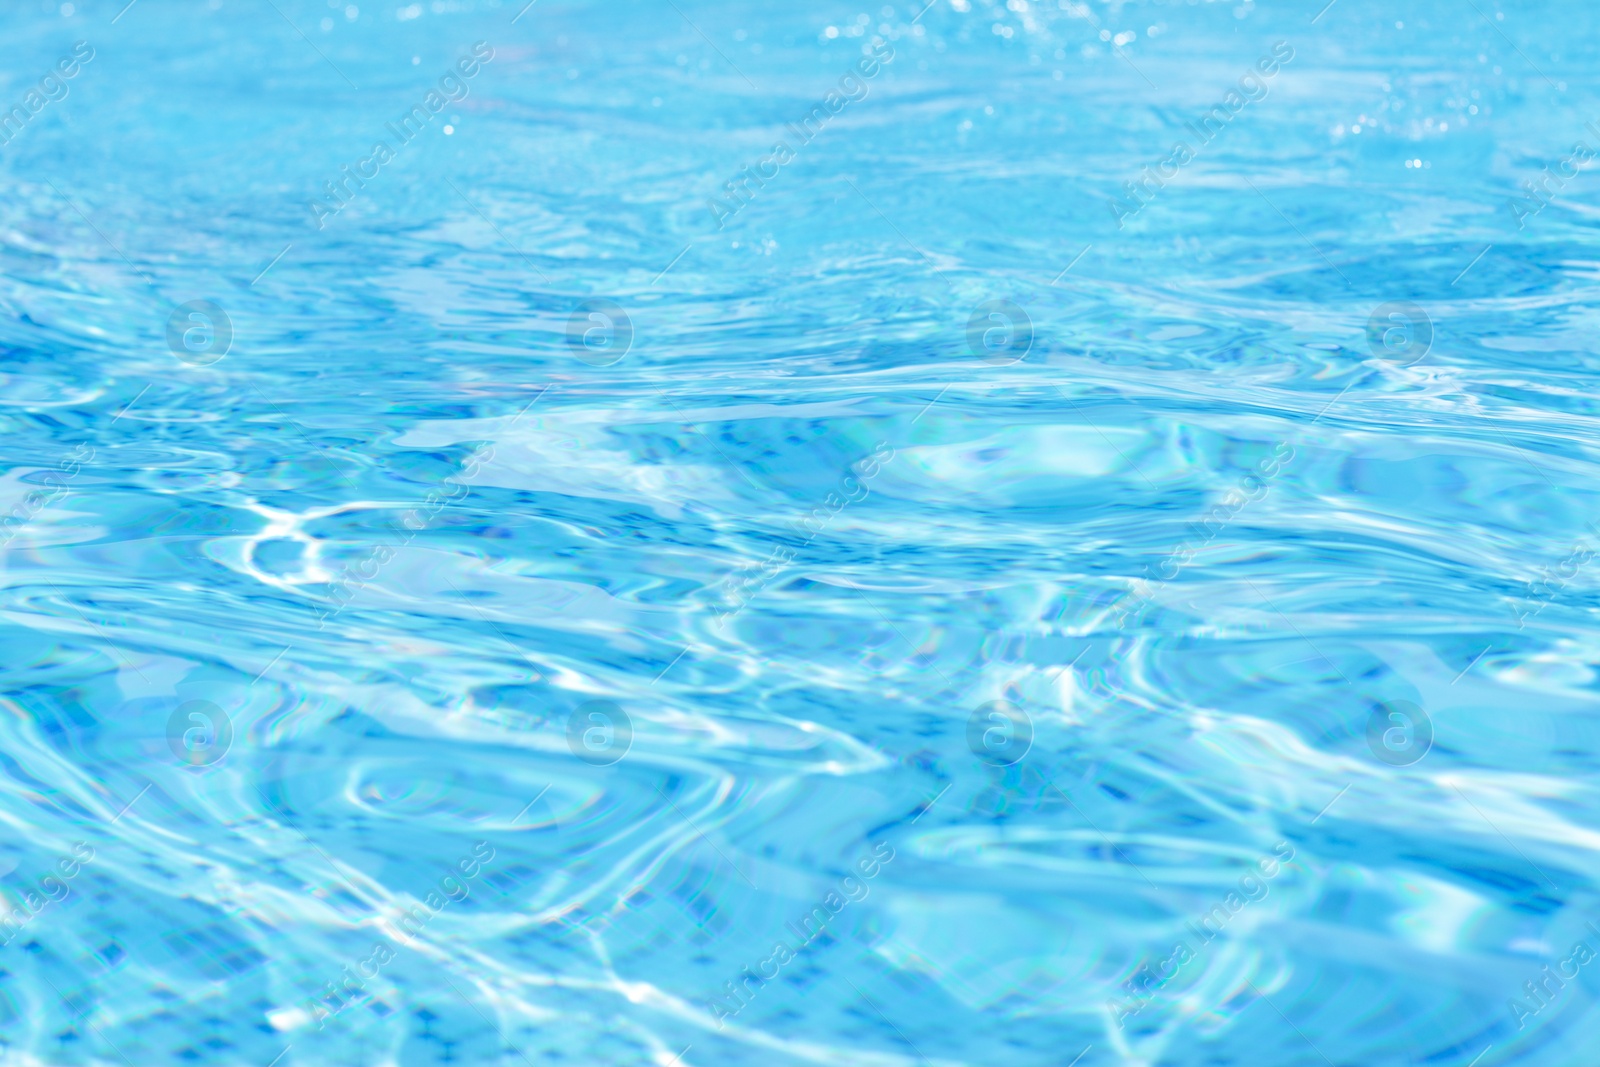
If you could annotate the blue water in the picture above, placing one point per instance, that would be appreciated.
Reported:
(715, 534)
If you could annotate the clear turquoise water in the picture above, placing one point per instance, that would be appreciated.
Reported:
(541, 587)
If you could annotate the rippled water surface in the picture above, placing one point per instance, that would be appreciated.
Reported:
(713, 533)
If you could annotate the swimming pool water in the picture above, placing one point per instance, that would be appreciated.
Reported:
(701, 533)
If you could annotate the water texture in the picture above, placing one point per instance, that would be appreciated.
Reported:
(681, 532)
